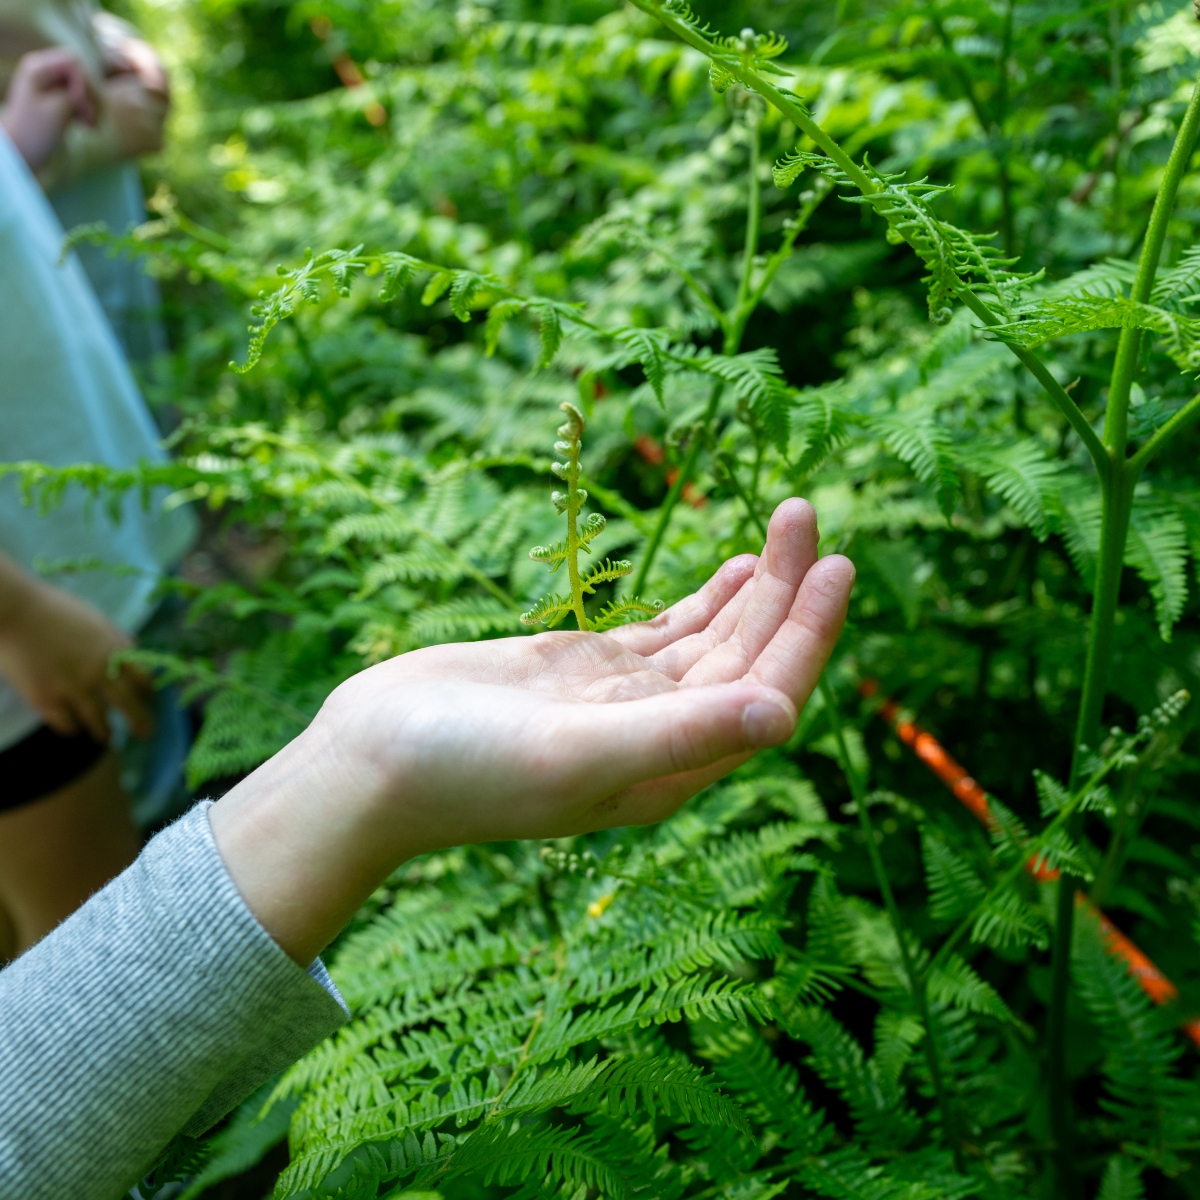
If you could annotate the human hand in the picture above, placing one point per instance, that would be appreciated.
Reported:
(136, 92)
(134, 56)
(136, 114)
(55, 651)
(48, 89)
(532, 737)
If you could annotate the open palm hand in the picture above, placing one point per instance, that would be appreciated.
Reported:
(532, 737)
(565, 732)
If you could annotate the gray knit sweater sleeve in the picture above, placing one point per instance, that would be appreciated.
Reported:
(155, 1008)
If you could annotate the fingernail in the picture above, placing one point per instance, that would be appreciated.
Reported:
(766, 723)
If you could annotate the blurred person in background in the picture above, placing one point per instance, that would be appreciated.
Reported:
(66, 396)
(90, 174)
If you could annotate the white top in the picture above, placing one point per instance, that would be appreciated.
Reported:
(67, 396)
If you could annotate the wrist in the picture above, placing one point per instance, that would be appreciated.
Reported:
(304, 840)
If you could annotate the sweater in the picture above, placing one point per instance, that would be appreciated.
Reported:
(153, 1010)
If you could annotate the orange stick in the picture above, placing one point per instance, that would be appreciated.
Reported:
(931, 752)
(348, 72)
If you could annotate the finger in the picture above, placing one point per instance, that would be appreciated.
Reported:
(137, 677)
(92, 713)
(688, 729)
(728, 648)
(79, 91)
(691, 614)
(56, 69)
(129, 697)
(60, 718)
(795, 657)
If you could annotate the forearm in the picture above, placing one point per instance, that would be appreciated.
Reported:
(154, 1009)
(301, 843)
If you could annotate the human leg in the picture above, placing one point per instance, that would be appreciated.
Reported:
(57, 850)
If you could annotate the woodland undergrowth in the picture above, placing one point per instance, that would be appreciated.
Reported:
(933, 266)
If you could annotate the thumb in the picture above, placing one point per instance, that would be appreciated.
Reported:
(628, 742)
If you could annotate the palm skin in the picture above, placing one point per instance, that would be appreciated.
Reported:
(533, 737)
(567, 731)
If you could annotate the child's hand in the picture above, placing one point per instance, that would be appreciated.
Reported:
(532, 737)
(136, 94)
(47, 90)
(54, 651)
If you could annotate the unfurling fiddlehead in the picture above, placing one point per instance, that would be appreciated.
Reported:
(551, 609)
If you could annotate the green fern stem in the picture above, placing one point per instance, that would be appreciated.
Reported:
(796, 113)
(686, 470)
(571, 432)
(916, 979)
(733, 324)
(1117, 506)
(753, 211)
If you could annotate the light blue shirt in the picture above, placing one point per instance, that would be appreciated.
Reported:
(67, 396)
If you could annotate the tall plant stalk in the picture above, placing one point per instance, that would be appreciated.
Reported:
(1117, 474)
(1116, 492)
(917, 979)
(732, 322)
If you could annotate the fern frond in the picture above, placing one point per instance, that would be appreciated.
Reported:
(1027, 481)
(553, 556)
(878, 1109)
(1152, 1107)
(1052, 796)
(621, 612)
(410, 566)
(462, 619)
(1122, 1176)
(926, 447)
(767, 1089)
(956, 984)
(952, 256)
(824, 425)
(605, 572)
(1007, 922)
(548, 611)
(1049, 319)
(506, 1153)
(1157, 548)
(619, 1086)
(1178, 285)
(954, 887)
(591, 529)
(1081, 531)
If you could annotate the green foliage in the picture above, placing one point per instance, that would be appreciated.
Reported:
(552, 609)
(575, 205)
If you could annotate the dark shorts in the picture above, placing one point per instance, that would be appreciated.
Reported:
(42, 763)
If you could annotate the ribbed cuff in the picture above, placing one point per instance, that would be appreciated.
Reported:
(156, 1007)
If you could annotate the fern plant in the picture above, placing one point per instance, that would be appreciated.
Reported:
(580, 208)
(552, 609)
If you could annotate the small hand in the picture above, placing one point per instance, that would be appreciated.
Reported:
(47, 90)
(136, 95)
(55, 651)
(135, 56)
(136, 114)
(533, 737)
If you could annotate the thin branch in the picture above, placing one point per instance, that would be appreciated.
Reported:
(916, 979)
(1175, 426)
(1050, 385)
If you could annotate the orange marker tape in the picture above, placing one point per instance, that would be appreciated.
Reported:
(931, 752)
